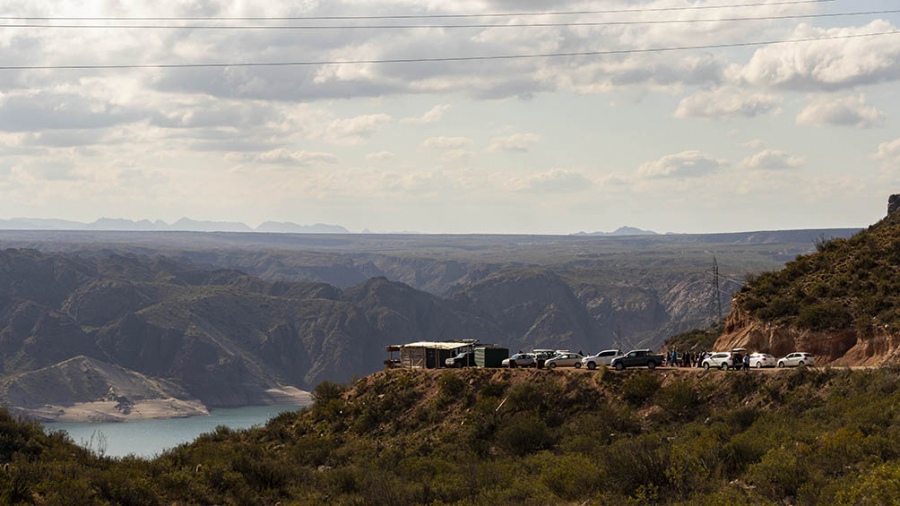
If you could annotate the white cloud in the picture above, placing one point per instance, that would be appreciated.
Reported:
(286, 157)
(432, 116)
(554, 181)
(889, 153)
(355, 130)
(725, 103)
(772, 159)
(446, 143)
(836, 63)
(380, 156)
(682, 165)
(62, 109)
(841, 111)
(753, 144)
(513, 143)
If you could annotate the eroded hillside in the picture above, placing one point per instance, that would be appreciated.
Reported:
(841, 303)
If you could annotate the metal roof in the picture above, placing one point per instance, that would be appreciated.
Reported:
(440, 345)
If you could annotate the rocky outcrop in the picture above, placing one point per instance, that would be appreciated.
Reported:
(893, 204)
(881, 348)
(744, 331)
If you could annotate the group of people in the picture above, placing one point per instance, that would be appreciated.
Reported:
(684, 359)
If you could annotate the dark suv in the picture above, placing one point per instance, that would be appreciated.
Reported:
(464, 359)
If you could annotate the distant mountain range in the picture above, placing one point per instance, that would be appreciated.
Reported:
(184, 224)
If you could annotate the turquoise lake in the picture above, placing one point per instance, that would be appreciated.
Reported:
(149, 438)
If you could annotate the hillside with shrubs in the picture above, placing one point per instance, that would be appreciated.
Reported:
(477, 436)
(841, 302)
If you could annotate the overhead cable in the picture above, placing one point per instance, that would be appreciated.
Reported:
(472, 25)
(442, 59)
(412, 16)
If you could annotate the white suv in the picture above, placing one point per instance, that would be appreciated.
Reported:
(797, 359)
(605, 357)
(719, 359)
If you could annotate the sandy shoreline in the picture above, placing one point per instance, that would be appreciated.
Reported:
(111, 411)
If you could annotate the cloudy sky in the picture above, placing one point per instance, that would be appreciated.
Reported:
(390, 115)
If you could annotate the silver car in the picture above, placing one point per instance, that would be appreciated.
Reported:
(797, 359)
(519, 360)
(605, 357)
(566, 359)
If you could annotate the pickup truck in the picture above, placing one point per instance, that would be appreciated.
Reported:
(637, 358)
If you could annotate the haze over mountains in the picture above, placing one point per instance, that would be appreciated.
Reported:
(184, 224)
(225, 319)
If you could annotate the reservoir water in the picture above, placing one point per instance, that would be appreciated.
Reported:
(149, 438)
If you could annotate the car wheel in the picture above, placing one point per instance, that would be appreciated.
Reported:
(651, 365)
(801, 364)
(620, 366)
(706, 366)
(759, 365)
(724, 367)
(552, 365)
(577, 365)
(592, 366)
(780, 364)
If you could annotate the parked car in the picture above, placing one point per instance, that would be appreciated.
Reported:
(718, 359)
(797, 359)
(564, 359)
(519, 360)
(637, 358)
(760, 360)
(541, 356)
(737, 358)
(464, 359)
(605, 357)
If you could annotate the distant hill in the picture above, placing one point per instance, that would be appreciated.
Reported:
(184, 224)
(620, 232)
(841, 302)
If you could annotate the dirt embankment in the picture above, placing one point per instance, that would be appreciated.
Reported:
(844, 347)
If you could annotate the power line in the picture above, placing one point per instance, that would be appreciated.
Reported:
(439, 59)
(473, 25)
(412, 16)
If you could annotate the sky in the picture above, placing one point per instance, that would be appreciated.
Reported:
(389, 116)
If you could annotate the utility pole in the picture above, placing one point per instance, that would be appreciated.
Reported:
(717, 290)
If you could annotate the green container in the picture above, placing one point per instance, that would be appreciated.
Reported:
(490, 356)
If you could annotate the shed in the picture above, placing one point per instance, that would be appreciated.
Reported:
(490, 356)
(427, 354)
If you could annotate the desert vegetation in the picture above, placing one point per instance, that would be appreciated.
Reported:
(846, 283)
(530, 437)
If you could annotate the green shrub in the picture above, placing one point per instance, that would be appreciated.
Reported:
(524, 433)
(825, 315)
(325, 392)
(639, 388)
(680, 401)
(880, 485)
(780, 473)
(571, 477)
